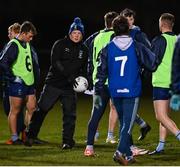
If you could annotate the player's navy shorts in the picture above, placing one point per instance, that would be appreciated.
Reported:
(161, 93)
(20, 90)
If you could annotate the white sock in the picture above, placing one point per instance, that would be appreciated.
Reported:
(97, 134)
(14, 137)
(160, 146)
(110, 134)
(178, 135)
(89, 147)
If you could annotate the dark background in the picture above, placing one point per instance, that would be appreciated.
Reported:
(53, 18)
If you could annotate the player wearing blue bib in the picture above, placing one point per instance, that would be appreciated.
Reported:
(122, 65)
(121, 62)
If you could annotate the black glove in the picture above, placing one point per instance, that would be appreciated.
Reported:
(75, 84)
(72, 81)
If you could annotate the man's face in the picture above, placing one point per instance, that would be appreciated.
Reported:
(11, 34)
(130, 21)
(27, 37)
(76, 36)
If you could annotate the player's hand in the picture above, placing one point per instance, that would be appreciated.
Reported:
(97, 100)
(175, 102)
(72, 80)
(75, 84)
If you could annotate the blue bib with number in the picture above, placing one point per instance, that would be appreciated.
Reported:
(123, 72)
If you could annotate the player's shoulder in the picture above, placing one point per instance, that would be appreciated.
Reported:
(178, 38)
(158, 39)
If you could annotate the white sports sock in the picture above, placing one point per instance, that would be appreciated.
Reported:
(178, 135)
(110, 134)
(14, 137)
(89, 147)
(160, 146)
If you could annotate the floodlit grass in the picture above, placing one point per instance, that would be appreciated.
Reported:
(51, 154)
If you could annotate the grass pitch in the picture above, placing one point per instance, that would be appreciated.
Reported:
(51, 153)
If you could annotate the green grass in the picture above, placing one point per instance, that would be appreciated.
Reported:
(51, 154)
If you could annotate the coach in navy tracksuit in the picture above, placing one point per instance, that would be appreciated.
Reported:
(68, 60)
(121, 62)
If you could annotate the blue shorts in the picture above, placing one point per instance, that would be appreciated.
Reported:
(20, 90)
(161, 93)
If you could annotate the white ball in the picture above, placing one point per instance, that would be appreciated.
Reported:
(82, 84)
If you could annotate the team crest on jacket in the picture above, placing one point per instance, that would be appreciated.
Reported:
(80, 54)
(67, 50)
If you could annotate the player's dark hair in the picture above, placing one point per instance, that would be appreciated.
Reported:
(121, 26)
(109, 17)
(27, 26)
(128, 13)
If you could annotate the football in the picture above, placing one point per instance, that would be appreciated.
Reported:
(82, 84)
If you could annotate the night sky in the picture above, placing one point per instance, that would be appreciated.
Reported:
(53, 18)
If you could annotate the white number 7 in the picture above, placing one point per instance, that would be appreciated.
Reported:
(123, 59)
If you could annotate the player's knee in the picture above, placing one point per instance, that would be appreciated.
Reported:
(31, 109)
(158, 117)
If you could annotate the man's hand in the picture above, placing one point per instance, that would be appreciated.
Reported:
(72, 80)
(75, 84)
(175, 102)
(97, 100)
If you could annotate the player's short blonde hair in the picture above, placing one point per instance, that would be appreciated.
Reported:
(168, 19)
(15, 27)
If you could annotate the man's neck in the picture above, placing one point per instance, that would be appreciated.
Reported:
(19, 37)
(166, 30)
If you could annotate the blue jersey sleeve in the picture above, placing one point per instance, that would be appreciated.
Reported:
(158, 46)
(146, 58)
(175, 85)
(36, 68)
(9, 55)
(102, 71)
(140, 36)
(89, 40)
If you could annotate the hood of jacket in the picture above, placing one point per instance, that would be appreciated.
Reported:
(123, 42)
